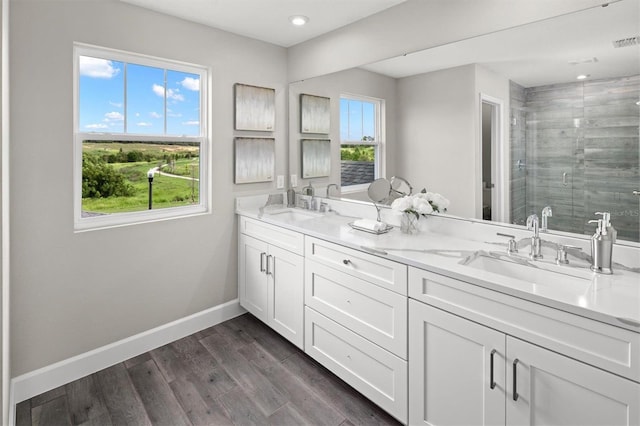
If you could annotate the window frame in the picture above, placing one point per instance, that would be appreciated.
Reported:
(204, 138)
(378, 142)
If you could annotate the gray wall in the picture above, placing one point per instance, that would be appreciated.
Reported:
(74, 292)
(436, 136)
(439, 132)
(588, 130)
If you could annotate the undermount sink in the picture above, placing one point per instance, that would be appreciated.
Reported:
(292, 214)
(534, 272)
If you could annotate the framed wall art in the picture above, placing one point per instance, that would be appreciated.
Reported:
(316, 158)
(254, 159)
(255, 108)
(315, 114)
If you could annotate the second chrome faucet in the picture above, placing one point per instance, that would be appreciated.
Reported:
(533, 224)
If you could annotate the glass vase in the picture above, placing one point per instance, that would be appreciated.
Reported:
(409, 223)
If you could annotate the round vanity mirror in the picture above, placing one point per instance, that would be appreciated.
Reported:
(399, 187)
(379, 190)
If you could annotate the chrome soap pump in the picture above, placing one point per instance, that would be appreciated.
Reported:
(602, 244)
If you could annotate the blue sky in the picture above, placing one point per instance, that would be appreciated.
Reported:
(102, 99)
(357, 119)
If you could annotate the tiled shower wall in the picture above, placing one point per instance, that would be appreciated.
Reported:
(581, 153)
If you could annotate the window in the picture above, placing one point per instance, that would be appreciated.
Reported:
(361, 141)
(140, 138)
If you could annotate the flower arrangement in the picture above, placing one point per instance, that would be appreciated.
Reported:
(421, 204)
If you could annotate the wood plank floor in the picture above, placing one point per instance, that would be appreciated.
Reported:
(239, 372)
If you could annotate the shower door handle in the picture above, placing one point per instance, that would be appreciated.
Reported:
(636, 192)
(564, 178)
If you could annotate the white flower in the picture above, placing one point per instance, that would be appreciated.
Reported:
(424, 208)
(422, 203)
(402, 204)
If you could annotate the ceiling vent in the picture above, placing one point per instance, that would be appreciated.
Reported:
(626, 42)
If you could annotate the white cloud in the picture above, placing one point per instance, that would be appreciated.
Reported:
(154, 114)
(173, 114)
(191, 83)
(115, 104)
(191, 123)
(97, 68)
(144, 124)
(96, 126)
(171, 94)
(114, 115)
(137, 114)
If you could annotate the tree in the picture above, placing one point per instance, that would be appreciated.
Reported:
(101, 180)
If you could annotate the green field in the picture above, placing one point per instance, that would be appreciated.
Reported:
(168, 191)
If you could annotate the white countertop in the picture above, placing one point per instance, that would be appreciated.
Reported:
(613, 299)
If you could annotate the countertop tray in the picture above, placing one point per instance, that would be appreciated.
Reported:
(384, 230)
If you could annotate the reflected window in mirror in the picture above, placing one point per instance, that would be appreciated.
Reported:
(361, 141)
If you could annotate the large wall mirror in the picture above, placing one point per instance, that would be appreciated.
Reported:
(502, 124)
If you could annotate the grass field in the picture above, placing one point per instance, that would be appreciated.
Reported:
(167, 191)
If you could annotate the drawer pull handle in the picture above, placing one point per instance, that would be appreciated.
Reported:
(262, 255)
(346, 261)
(515, 383)
(492, 383)
(269, 272)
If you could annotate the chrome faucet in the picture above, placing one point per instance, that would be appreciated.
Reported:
(309, 189)
(329, 187)
(546, 213)
(536, 246)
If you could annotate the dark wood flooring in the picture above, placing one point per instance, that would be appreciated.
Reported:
(239, 372)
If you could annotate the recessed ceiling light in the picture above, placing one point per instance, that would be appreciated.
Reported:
(298, 20)
(583, 76)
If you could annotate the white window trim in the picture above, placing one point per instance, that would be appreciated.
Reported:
(379, 143)
(130, 218)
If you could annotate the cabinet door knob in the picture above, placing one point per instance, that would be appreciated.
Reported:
(492, 383)
(346, 261)
(515, 383)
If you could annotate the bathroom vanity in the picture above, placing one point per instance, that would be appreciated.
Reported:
(445, 327)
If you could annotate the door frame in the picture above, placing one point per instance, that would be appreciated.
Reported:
(499, 160)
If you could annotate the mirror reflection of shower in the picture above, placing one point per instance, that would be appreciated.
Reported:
(575, 147)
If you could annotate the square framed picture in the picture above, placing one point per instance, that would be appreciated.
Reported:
(315, 114)
(254, 159)
(255, 108)
(316, 157)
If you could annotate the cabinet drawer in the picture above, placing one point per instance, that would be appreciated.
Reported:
(611, 348)
(375, 313)
(376, 373)
(283, 238)
(380, 271)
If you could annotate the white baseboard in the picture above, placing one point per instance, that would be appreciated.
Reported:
(52, 376)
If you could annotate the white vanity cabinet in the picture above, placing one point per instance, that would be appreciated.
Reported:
(546, 388)
(455, 361)
(356, 320)
(271, 277)
(457, 370)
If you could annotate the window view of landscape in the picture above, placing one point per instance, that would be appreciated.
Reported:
(140, 130)
(115, 175)
(358, 141)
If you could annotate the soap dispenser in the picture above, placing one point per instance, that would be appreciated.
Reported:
(602, 244)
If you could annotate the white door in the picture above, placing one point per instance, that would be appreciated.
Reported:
(456, 370)
(286, 294)
(546, 388)
(252, 278)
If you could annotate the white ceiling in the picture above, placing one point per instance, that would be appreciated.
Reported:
(539, 53)
(268, 20)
